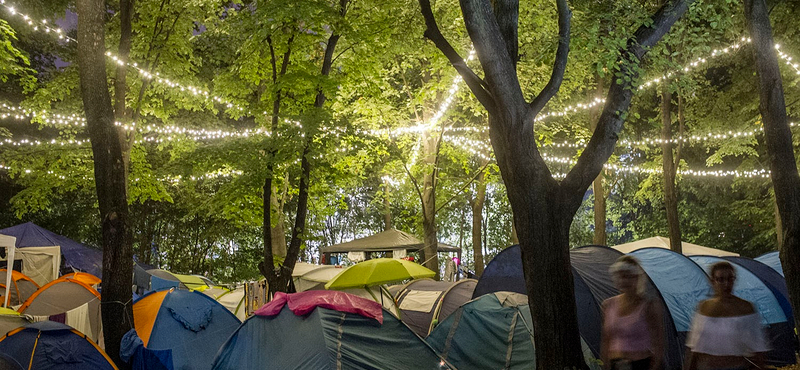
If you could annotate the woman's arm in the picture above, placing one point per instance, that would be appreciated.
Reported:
(655, 324)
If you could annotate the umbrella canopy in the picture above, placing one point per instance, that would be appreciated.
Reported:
(376, 272)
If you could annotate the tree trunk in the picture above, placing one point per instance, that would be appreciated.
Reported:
(387, 209)
(669, 169)
(280, 279)
(600, 236)
(778, 225)
(109, 173)
(477, 221)
(543, 207)
(778, 137)
(430, 149)
(278, 230)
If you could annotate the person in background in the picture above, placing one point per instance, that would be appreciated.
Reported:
(633, 330)
(726, 331)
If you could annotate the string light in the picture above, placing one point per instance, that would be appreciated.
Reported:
(787, 59)
(43, 26)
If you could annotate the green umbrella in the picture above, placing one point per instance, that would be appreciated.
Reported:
(376, 272)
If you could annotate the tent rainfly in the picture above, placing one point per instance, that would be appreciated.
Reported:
(689, 249)
(424, 302)
(386, 241)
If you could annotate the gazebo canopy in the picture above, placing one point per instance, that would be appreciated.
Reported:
(385, 241)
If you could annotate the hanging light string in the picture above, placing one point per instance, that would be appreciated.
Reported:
(787, 59)
(188, 90)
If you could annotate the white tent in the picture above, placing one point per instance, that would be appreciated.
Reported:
(41, 264)
(8, 242)
(689, 249)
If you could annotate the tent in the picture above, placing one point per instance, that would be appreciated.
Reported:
(190, 324)
(77, 256)
(750, 287)
(52, 346)
(424, 302)
(163, 279)
(67, 301)
(386, 241)
(10, 320)
(86, 278)
(233, 300)
(773, 260)
(494, 331)
(22, 287)
(314, 277)
(329, 330)
(689, 249)
(592, 285)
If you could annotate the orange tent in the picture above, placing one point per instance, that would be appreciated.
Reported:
(76, 300)
(84, 277)
(22, 287)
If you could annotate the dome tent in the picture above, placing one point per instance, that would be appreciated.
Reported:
(325, 330)
(773, 260)
(10, 320)
(192, 325)
(69, 301)
(425, 302)
(50, 345)
(22, 287)
(493, 331)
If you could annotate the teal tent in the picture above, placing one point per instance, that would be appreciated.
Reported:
(493, 331)
(325, 339)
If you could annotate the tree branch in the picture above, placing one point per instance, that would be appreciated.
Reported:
(413, 181)
(506, 13)
(604, 138)
(471, 201)
(560, 64)
(475, 83)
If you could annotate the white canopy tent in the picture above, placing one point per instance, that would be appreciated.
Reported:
(9, 243)
(689, 249)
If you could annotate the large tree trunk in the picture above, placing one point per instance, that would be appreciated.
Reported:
(109, 174)
(600, 236)
(543, 208)
(669, 168)
(778, 137)
(430, 149)
(477, 221)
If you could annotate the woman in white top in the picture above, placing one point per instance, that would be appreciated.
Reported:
(726, 331)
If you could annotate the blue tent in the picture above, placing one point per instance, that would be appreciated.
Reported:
(772, 259)
(592, 284)
(750, 287)
(192, 325)
(49, 345)
(325, 339)
(681, 282)
(76, 255)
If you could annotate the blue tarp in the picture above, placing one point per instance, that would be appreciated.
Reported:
(325, 339)
(54, 346)
(681, 282)
(772, 259)
(76, 255)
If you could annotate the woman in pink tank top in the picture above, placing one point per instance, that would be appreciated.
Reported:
(633, 332)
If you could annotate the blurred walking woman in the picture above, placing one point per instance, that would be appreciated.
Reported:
(633, 332)
(726, 331)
